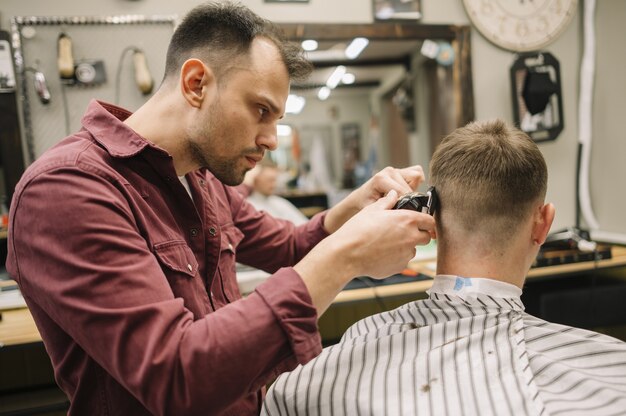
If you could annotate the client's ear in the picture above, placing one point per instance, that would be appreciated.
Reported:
(543, 222)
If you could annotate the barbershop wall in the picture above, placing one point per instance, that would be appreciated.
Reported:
(490, 75)
(338, 111)
(608, 170)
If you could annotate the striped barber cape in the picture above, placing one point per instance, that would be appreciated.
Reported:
(470, 349)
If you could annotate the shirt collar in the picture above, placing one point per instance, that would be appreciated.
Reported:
(105, 122)
(468, 288)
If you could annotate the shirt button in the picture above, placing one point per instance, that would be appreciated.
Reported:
(202, 182)
(189, 267)
(212, 231)
(194, 232)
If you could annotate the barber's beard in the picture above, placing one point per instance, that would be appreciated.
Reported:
(212, 135)
(206, 140)
(226, 170)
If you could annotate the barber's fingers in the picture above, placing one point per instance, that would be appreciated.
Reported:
(418, 220)
(402, 180)
(386, 202)
(390, 178)
(413, 176)
(423, 238)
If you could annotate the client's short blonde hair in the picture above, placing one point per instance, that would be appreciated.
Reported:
(488, 176)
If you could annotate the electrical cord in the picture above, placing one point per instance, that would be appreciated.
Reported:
(66, 110)
(592, 295)
(118, 72)
(579, 153)
(379, 300)
(585, 105)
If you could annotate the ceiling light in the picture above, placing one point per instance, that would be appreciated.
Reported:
(335, 77)
(309, 45)
(295, 104)
(323, 93)
(355, 47)
(283, 130)
(348, 78)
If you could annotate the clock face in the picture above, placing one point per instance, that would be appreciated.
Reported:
(521, 25)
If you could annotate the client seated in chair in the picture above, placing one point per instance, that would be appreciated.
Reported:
(262, 181)
(469, 349)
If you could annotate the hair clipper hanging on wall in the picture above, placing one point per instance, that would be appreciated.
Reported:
(65, 56)
(144, 80)
(84, 72)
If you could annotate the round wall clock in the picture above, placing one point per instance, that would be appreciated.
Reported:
(521, 25)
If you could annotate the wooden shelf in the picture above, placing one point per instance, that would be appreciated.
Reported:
(17, 326)
(424, 267)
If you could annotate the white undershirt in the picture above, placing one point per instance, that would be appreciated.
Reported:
(185, 183)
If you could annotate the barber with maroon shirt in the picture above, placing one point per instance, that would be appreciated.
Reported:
(123, 237)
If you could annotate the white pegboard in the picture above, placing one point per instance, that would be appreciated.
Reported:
(100, 38)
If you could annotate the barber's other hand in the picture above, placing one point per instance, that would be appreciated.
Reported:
(389, 179)
(378, 241)
(400, 180)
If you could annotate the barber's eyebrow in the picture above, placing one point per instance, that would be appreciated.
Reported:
(272, 105)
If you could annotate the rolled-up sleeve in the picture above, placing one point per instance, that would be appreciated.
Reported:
(287, 297)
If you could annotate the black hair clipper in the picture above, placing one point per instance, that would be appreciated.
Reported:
(417, 201)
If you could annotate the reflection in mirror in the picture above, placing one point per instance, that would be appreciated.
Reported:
(380, 94)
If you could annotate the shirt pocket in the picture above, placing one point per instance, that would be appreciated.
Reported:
(230, 239)
(181, 270)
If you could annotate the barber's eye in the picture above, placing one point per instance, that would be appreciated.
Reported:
(263, 111)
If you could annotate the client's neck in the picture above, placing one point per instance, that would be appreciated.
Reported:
(475, 259)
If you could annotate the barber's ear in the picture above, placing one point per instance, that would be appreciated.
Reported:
(543, 222)
(195, 80)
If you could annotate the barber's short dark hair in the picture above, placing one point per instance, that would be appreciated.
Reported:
(219, 32)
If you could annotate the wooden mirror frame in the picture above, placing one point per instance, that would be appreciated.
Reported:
(458, 36)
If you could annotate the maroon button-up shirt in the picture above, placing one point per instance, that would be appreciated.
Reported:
(132, 283)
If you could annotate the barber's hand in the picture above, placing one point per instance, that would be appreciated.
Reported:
(382, 241)
(389, 179)
(378, 241)
(400, 180)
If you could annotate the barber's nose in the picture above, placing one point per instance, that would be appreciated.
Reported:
(268, 138)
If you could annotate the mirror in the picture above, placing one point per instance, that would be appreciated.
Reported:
(380, 94)
(537, 98)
